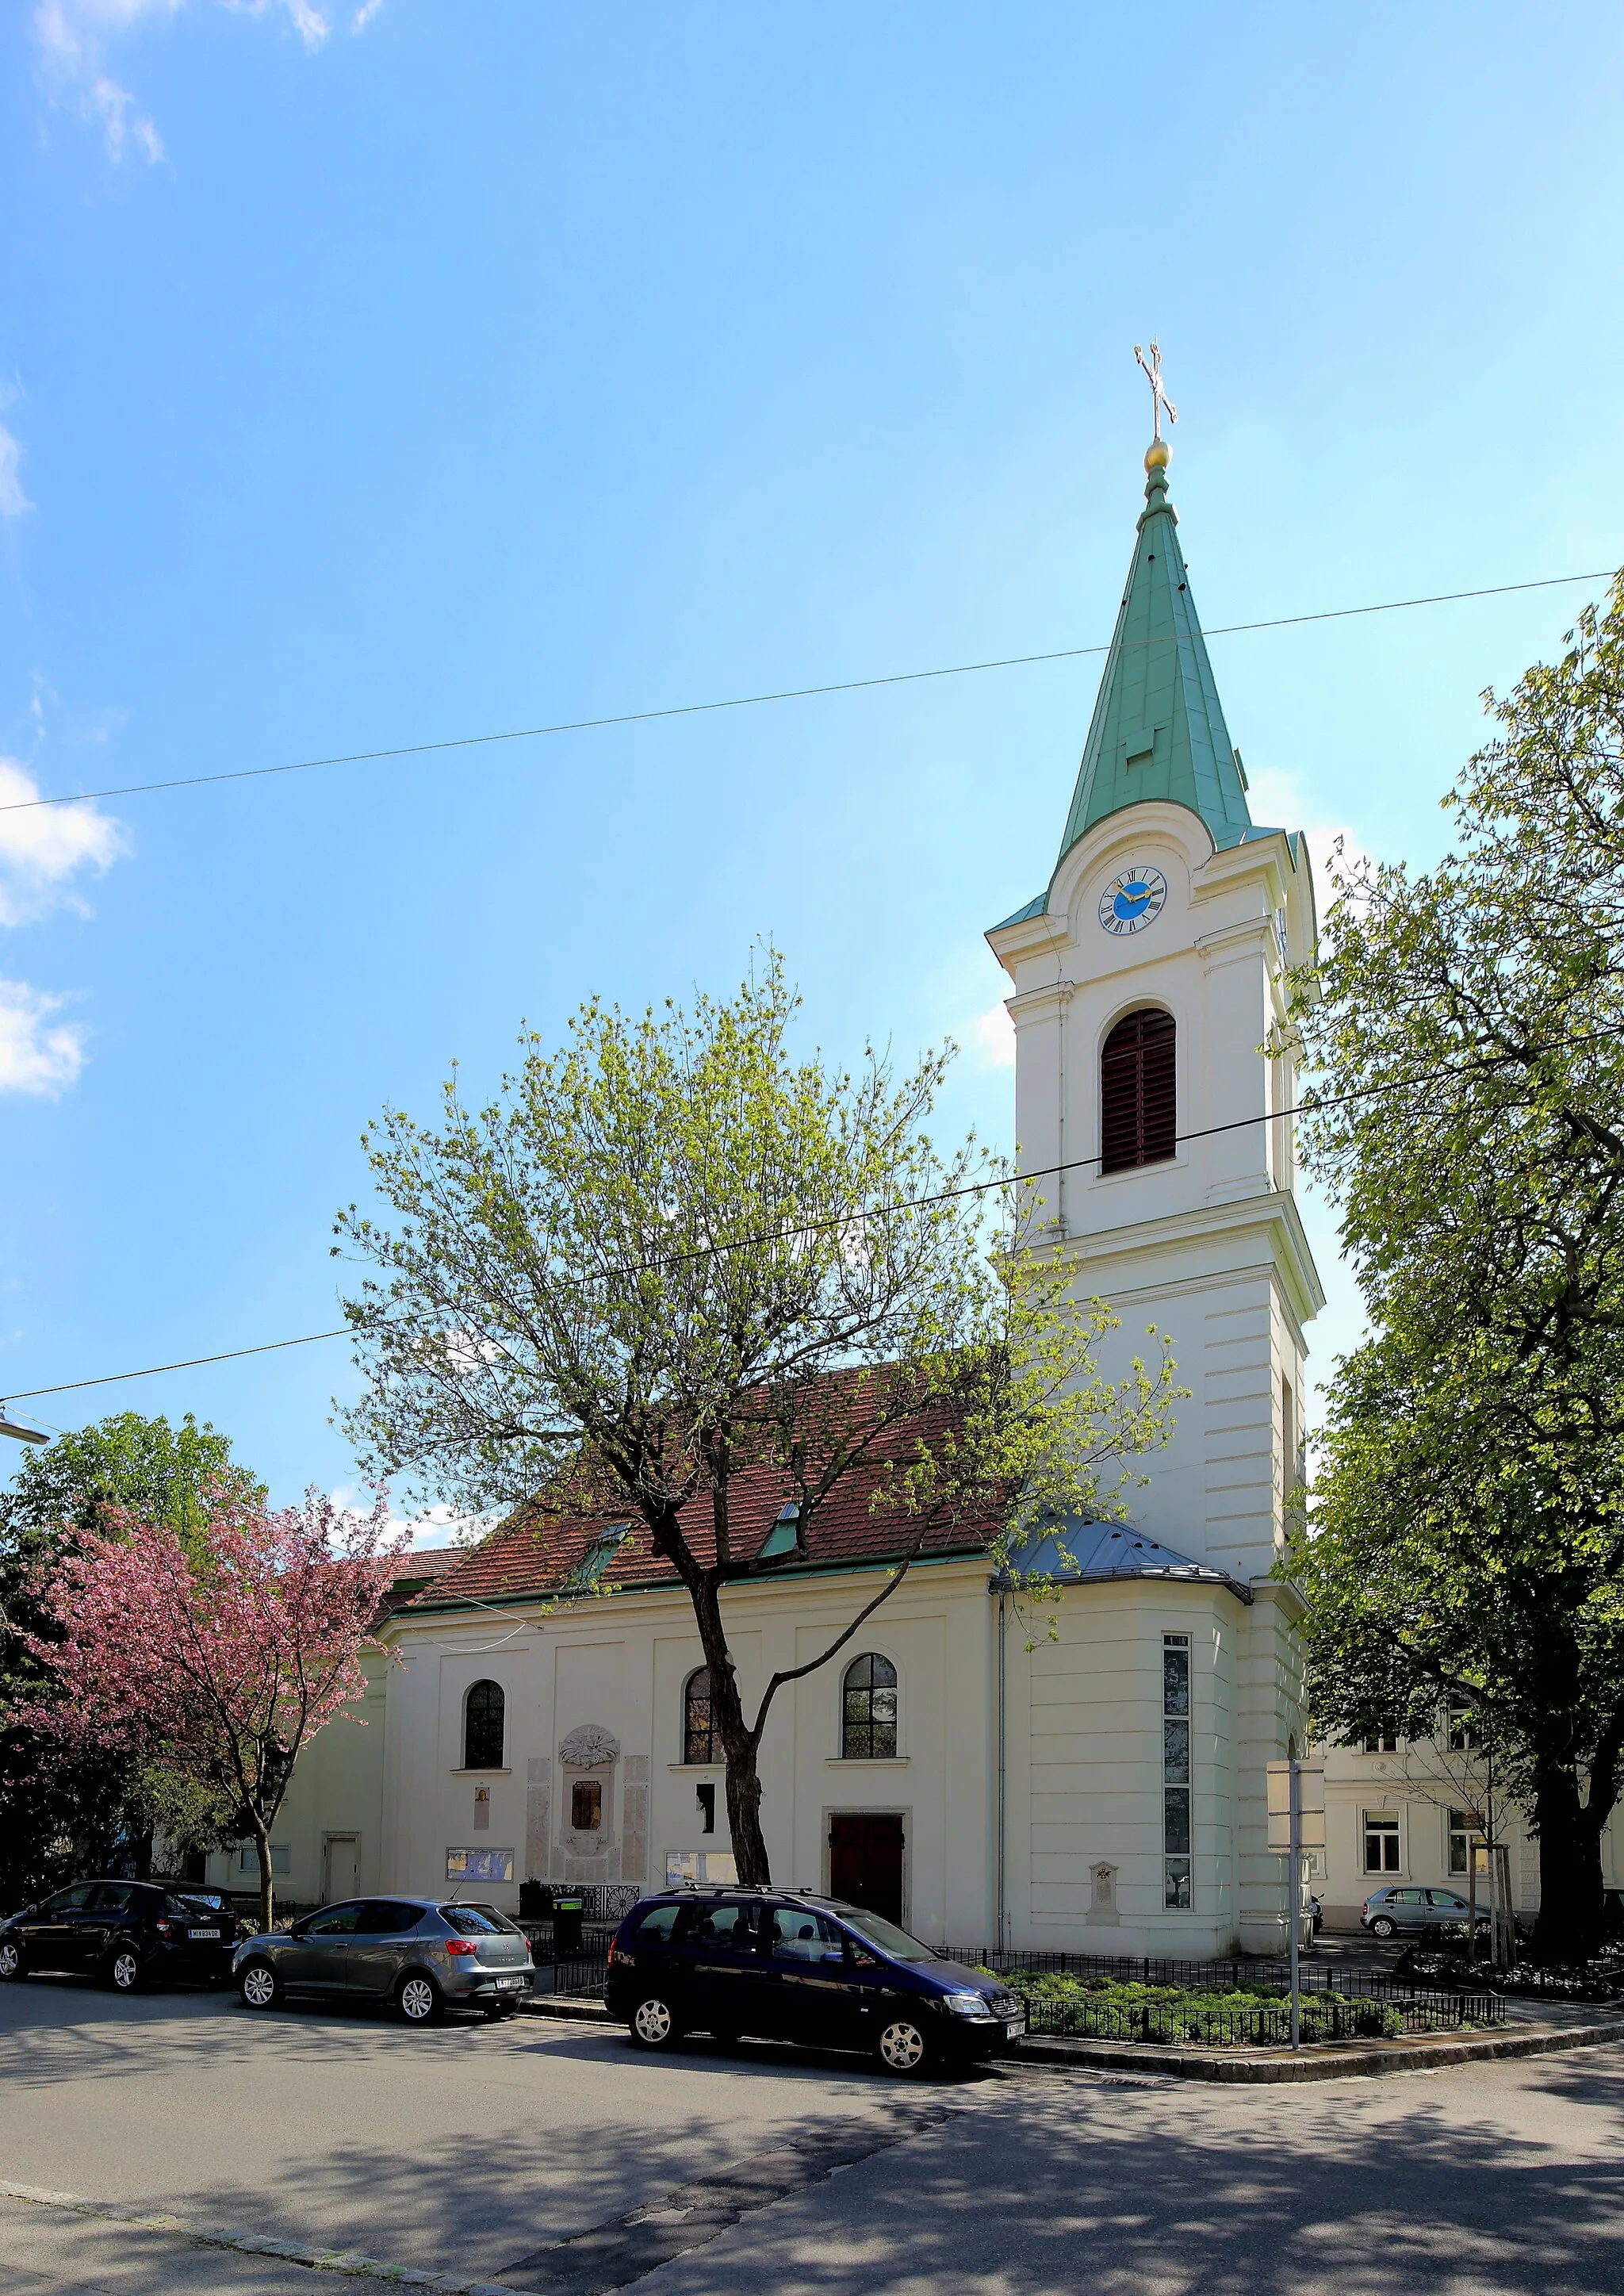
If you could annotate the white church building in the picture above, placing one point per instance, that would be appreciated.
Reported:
(1104, 1791)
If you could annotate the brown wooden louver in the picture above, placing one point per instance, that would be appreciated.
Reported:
(1138, 1115)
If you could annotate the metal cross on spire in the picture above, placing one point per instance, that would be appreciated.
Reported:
(1158, 397)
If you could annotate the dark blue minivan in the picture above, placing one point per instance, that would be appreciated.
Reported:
(784, 1965)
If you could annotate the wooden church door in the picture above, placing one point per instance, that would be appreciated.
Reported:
(865, 1860)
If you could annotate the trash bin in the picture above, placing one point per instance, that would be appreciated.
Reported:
(567, 1938)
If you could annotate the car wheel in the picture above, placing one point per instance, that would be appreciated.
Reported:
(259, 1986)
(124, 1971)
(903, 2047)
(11, 1959)
(1383, 1926)
(653, 2024)
(419, 2000)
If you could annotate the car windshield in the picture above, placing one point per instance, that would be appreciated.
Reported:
(478, 1921)
(887, 1937)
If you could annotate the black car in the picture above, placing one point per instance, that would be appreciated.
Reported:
(785, 1965)
(126, 1932)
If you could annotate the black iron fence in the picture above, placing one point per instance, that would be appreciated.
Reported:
(1196, 1976)
(579, 1975)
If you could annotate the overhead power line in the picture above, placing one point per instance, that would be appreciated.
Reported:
(760, 700)
(840, 1220)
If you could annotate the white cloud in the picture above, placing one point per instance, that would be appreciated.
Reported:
(69, 33)
(995, 1035)
(1277, 800)
(434, 1526)
(73, 38)
(14, 502)
(43, 847)
(36, 1056)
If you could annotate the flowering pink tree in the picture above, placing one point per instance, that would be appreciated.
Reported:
(219, 1667)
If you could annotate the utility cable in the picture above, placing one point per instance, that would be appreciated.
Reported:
(758, 700)
(840, 1220)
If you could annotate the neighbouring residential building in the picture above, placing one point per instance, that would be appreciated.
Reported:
(1409, 1813)
(1102, 1790)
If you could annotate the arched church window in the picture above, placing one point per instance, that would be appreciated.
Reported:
(700, 1743)
(484, 1727)
(868, 1710)
(1138, 1115)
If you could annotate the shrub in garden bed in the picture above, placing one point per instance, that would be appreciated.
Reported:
(1230, 2016)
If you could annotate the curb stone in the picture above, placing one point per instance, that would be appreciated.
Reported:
(1320, 2060)
(554, 2005)
(348, 2261)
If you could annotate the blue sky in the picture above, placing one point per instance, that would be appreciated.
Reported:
(372, 375)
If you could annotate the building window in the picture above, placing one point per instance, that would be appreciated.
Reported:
(600, 1554)
(1463, 1738)
(1467, 1847)
(1138, 1118)
(1176, 1894)
(484, 1727)
(1380, 1842)
(586, 1806)
(699, 1739)
(1380, 1741)
(868, 1710)
(783, 1539)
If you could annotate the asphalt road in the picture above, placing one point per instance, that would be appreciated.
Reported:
(551, 2158)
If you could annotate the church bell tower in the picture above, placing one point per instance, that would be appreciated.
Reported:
(1148, 977)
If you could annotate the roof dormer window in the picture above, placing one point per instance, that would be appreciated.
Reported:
(783, 1539)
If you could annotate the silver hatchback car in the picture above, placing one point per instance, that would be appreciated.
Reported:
(1401, 1912)
(422, 1954)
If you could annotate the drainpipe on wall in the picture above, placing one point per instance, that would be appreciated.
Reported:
(1000, 1914)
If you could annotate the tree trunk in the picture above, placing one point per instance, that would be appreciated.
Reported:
(1571, 1899)
(740, 1744)
(267, 1901)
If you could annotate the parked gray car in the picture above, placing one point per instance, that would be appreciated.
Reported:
(1390, 1913)
(422, 1954)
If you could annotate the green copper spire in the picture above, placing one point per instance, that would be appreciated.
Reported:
(1158, 728)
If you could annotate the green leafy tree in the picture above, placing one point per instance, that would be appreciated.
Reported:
(672, 1254)
(1465, 1545)
(63, 1810)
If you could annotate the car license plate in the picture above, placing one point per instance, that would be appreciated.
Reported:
(202, 1933)
(510, 1980)
(1013, 2028)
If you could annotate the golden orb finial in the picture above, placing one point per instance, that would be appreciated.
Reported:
(1158, 455)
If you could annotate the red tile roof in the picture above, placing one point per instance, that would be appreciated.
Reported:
(534, 1552)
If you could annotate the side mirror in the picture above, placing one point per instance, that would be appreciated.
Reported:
(298, 1929)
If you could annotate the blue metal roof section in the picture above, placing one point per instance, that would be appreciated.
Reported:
(1081, 1550)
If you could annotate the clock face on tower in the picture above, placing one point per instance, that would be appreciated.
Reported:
(1132, 899)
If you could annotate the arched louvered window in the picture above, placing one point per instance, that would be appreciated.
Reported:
(1138, 1116)
(700, 1743)
(484, 1727)
(868, 1710)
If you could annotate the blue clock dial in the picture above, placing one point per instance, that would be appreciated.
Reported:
(1132, 899)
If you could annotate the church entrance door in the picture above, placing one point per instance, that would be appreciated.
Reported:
(866, 1859)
